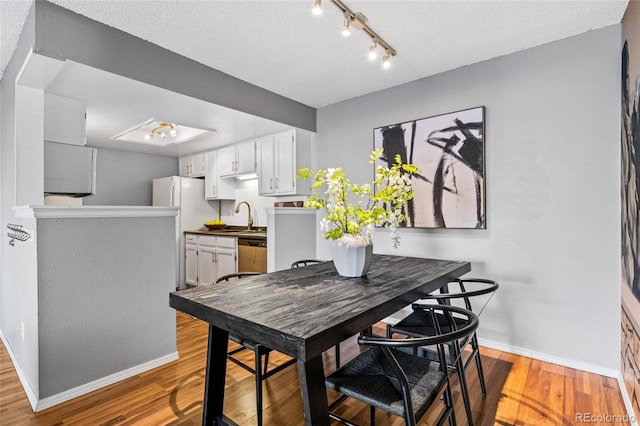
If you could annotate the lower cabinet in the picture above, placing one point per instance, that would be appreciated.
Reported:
(209, 258)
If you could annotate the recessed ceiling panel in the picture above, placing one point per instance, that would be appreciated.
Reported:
(160, 133)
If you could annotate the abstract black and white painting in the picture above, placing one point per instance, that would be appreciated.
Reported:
(449, 191)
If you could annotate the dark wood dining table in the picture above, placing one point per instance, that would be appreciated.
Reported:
(303, 312)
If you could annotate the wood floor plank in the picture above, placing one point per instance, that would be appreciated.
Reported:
(521, 391)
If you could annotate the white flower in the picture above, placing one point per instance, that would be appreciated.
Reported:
(380, 203)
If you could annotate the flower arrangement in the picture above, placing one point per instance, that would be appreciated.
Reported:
(391, 187)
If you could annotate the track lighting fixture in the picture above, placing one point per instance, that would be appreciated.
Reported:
(359, 22)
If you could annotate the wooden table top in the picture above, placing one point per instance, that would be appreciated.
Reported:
(305, 311)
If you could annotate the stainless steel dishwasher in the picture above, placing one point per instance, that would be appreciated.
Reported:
(252, 255)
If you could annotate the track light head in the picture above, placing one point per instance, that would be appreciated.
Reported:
(386, 61)
(346, 31)
(317, 8)
(373, 50)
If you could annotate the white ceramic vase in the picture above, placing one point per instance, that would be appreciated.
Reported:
(352, 255)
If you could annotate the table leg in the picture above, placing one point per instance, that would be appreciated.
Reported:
(216, 370)
(314, 392)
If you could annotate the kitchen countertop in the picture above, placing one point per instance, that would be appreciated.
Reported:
(257, 233)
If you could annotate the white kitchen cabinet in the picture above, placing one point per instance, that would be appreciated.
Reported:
(246, 157)
(192, 165)
(279, 158)
(266, 164)
(227, 161)
(191, 260)
(65, 120)
(226, 260)
(214, 187)
(207, 265)
(214, 257)
(238, 159)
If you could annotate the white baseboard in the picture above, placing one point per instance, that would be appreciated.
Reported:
(596, 369)
(39, 405)
(105, 381)
(633, 417)
(31, 396)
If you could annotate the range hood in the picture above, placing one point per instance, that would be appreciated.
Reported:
(69, 169)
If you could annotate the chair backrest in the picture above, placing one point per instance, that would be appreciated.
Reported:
(305, 262)
(458, 330)
(469, 287)
(236, 275)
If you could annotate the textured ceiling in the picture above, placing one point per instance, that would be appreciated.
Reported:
(281, 46)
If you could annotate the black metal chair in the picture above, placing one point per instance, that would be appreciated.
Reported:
(305, 262)
(417, 324)
(260, 371)
(386, 377)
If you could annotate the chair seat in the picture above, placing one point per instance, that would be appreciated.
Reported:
(419, 323)
(369, 378)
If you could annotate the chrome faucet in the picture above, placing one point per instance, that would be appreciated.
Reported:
(250, 220)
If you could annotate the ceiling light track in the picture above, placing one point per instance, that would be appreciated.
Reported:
(358, 21)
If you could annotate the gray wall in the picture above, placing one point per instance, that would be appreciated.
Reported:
(553, 198)
(124, 178)
(103, 293)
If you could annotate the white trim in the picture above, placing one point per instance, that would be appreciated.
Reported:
(633, 418)
(56, 212)
(583, 366)
(289, 210)
(105, 381)
(31, 396)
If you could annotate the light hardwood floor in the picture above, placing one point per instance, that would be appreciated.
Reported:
(521, 391)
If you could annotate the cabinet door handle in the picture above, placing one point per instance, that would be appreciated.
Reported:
(213, 259)
(276, 183)
(270, 183)
(213, 190)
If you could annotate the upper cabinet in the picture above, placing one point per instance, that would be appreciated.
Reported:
(216, 188)
(279, 158)
(238, 159)
(192, 165)
(65, 120)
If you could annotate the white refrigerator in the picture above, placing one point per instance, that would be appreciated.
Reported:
(187, 194)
